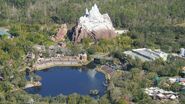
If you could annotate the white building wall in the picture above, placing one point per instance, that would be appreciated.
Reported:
(182, 52)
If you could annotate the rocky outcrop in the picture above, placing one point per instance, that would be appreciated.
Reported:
(94, 25)
(62, 31)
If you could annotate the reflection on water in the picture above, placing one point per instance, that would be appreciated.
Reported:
(80, 70)
(68, 80)
(92, 73)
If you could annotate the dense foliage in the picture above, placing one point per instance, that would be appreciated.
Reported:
(152, 23)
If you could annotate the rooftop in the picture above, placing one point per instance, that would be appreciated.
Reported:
(145, 54)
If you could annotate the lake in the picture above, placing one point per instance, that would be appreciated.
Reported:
(67, 80)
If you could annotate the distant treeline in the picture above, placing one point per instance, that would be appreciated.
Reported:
(153, 23)
(124, 13)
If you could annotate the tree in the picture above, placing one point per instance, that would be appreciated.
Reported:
(122, 101)
(104, 100)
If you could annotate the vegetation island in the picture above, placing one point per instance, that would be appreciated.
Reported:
(139, 45)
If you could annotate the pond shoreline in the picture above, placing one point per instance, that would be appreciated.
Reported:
(33, 84)
(46, 65)
(61, 64)
(85, 78)
(54, 64)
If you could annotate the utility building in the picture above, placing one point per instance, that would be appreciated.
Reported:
(182, 52)
(145, 54)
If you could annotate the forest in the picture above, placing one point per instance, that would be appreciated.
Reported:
(152, 24)
(156, 24)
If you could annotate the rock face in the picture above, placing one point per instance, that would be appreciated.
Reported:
(62, 31)
(94, 25)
